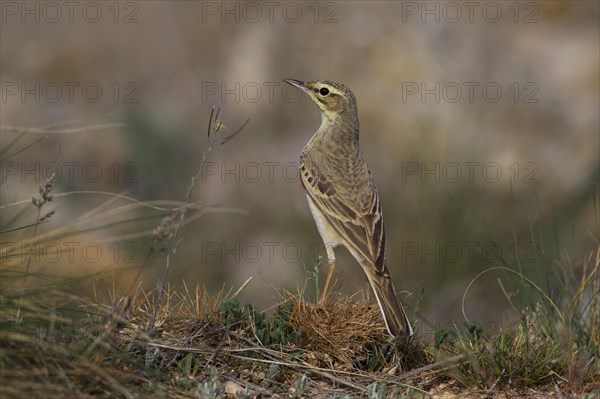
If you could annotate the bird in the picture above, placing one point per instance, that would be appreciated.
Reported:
(343, 198)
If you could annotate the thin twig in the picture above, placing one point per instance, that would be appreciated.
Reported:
(214, 127)
(432, 366)
(528, 281)
(227, 138)
(25, 129)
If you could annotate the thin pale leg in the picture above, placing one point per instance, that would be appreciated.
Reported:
(331, 261)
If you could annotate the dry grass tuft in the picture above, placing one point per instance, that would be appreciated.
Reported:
(339, 330)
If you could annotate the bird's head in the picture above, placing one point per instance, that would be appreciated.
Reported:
(333, 99)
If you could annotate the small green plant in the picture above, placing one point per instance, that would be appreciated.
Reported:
(277, 332)
(444, 336)
(282, 331)
(232, 313)
(211, 387)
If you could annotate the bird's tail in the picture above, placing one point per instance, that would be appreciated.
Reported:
(393, 313)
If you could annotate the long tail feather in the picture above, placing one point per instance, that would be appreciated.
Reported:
(393, 313)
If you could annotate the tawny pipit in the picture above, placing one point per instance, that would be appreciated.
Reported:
(343, 198)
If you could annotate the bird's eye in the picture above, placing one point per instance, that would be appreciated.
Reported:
(324, 91)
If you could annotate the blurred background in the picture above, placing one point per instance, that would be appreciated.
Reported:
(480, 124)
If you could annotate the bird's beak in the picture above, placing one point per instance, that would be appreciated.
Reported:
(297, 83)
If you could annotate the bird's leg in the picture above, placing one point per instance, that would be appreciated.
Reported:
(331, 261)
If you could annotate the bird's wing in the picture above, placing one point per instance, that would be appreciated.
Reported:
(357, 220)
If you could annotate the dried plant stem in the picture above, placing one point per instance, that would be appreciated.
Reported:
(214, 127)
(39, 202)
(25, 129)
